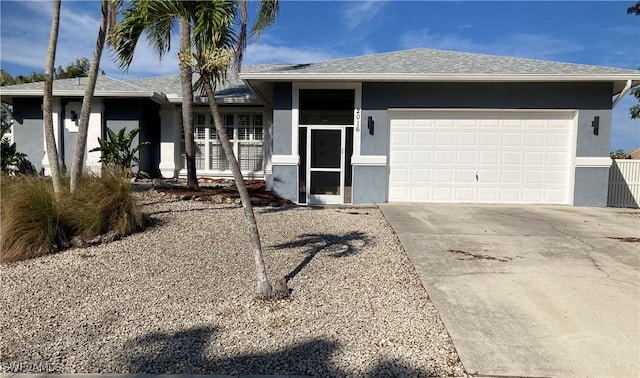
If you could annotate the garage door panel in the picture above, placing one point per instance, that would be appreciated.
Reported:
(510, 176)
(448, 156)
(489, 176)
(466, 138)
(466, 157)
(444, 157)
(443, 175)
(445, 138)
(533, 158)
(534, 140)
(557, 159)
(489, 139)
(401, 137)
(463, 194)
(488, 194)
(421, 156)
(512, 139)
(465, 176)
(421, 175)
(511, 158)
(399, 157)
(442, 194)
(557, 177)
(422, 138)
(533, 177)
(488, 157)
(532, 195)
(555, 195)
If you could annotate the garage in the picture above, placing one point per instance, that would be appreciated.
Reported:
(481, 156)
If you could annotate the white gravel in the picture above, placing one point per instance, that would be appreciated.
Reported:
(179, 298)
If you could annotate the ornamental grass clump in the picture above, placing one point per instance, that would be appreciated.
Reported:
(29, 222)
(101, 205)
(33, 223)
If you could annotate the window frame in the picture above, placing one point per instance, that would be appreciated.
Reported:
(204, 145)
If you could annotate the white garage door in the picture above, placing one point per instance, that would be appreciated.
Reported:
(477, 156)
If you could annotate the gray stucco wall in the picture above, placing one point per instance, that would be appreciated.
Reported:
(591, 186)
(285, 181)
(28, 131)
(282, 104)
(589, 144)
(369, 185)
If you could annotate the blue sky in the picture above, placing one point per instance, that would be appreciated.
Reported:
(588, 32)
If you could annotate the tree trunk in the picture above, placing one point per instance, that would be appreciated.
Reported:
(85, 111)
(52, 149)
(264, 287)
(187, 105)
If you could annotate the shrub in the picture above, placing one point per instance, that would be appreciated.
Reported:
(100, 205)
(29, 225)
(32, 223)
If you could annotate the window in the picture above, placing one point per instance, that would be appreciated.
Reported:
(245, 132)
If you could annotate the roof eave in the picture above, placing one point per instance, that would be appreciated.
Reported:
(154, 96)
(200, 100)
(282, 76)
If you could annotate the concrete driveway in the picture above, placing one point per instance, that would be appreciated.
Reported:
(530, 290)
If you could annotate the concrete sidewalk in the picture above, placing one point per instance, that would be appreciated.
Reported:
(530, 290)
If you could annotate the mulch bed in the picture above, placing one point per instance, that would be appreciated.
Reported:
(220, 191)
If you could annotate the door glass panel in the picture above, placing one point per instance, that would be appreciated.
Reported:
(325, 148)
(325, 183)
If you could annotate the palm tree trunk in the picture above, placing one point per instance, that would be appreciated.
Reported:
(85, 111)
(52, 149)
(187, 105)
(264, 287)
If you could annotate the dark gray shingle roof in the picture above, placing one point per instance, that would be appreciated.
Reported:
(424, 61)
(103, 84)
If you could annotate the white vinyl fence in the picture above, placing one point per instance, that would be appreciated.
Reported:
(624, 183)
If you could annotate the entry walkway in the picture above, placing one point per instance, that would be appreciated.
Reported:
(530, 290)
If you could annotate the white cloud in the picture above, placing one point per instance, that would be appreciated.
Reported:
(536, 46)
(76, 38)
(263, 53)
(358, 12)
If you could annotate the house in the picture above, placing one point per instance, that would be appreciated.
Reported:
(417, 125)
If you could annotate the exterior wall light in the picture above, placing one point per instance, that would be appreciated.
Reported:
(596, 125)
(370, 124)
(74, 116)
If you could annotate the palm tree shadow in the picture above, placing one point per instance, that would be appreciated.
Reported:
(190, 352)
(185, 352)
(336, 246)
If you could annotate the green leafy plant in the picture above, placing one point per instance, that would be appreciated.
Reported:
(619, 154)
(117, 152)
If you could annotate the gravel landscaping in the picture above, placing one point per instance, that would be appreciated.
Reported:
(180, 298)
